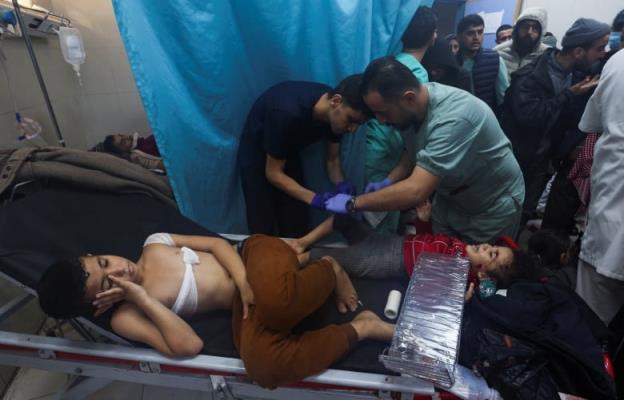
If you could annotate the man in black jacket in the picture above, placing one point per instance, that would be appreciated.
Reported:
(543, 104)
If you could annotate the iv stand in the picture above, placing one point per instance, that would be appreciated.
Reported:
(35, 64)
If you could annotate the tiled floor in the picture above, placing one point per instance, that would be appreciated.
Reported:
(30, 384)
(27, 320)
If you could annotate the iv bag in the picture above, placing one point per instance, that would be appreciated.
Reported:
(72, 47)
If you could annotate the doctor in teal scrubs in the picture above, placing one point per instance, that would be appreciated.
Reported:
(461, 152)
(384, 144)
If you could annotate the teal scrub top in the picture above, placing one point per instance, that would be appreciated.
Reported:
(502, 80)
(384, 145)
(461, 142)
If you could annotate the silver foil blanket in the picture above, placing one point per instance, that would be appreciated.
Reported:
(426, 339)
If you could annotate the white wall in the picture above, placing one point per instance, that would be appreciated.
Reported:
(108, 101)
(562, 13)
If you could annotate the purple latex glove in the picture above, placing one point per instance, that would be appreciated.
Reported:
(375, 186)
(318, 201)
(345, 187)
(338, 203)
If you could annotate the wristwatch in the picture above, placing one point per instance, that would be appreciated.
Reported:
(350, 206)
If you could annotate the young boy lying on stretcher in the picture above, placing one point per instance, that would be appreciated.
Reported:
(384, 255)
(176, 275)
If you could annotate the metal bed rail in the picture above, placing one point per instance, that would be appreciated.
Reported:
(122, 363)
(93, 365)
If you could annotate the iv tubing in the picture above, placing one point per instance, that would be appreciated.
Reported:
(33, 58)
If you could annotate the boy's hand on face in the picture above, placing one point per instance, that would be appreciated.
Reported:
(101, 307)
(106, 299)
(132, 292)
(122, 290)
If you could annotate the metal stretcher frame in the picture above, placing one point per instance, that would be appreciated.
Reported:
(94, 365)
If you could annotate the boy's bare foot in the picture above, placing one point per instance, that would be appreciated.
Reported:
(346, 295)
(294, 244)
(367, 314)
(369, 326)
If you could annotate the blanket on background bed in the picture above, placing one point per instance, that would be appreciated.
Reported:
(82, 169)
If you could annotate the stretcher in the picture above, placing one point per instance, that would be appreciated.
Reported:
(37, 225)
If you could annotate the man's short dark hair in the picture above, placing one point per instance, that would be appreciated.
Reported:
(618, 22)
(349, 89)
(420, 30)
(503, 27)
(549, 244)
(468, 21)
(389, 78)
(108, 145)
(62, 289)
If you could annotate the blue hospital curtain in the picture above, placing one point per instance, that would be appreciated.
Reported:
(200, 64)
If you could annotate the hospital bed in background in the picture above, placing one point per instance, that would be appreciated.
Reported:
(39, 223)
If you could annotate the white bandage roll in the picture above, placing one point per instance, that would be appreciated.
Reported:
(392, 305)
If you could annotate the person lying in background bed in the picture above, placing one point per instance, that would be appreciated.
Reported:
(122, 144)
(383, 255)
(178, 276)
(138, 150)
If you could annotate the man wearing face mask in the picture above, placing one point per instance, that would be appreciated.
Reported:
(526, 40)
(545, 102)
(616, 40)
(600, 276)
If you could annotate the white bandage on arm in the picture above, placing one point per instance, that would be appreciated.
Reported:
(159, 238)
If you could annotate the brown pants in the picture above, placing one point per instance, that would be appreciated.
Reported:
(284, 295)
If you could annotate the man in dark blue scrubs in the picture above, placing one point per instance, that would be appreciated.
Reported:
(284, 120)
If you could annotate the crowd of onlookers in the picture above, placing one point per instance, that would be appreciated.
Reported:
(556, 102)
(562, 138)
